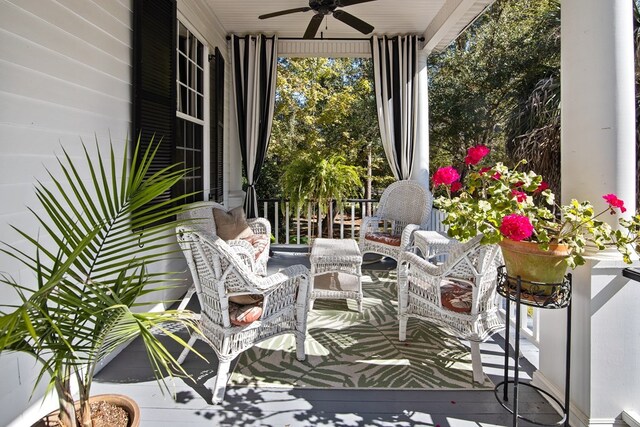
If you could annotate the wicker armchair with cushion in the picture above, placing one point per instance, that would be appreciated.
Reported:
(231, 224)
(458, 295)
(404, 207)
(239, 308)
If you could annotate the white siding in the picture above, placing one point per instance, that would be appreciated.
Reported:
(65, 74)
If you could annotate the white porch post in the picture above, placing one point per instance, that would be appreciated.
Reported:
(420, 171)
(598, 157)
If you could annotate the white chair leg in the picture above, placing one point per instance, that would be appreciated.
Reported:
(476, 362)
(185, 352)
(220, 384)
(402, 332)
(300, 353)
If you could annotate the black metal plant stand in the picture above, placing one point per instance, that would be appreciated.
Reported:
(542, 295)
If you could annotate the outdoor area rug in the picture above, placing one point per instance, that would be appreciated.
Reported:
(347, 349)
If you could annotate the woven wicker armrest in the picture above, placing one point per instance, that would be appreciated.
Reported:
(244, 251)
(259, 225)
(407, 235)
(276, 279)
(409, 258)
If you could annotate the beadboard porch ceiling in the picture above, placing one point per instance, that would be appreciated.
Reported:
(438, 21)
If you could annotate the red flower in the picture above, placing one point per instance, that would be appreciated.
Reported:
(445, 176)
(543, 186)
(456, 186)
(516, 227)
(484, 170)
(614, 202)
(475, 154)
(518, 184)
(496, 176)
(520, 196)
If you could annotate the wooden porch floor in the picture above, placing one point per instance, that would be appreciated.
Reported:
(129, 374)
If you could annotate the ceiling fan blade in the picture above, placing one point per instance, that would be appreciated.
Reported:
(343, 3)
(314, 24)
(352, 21)
(285, 12)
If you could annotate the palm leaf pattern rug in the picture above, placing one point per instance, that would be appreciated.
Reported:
(347, 349)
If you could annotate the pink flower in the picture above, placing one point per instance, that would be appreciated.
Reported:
(543, 186)
(445, 176)
(456, 186)
(496, 176)
(614, 202)
(475, 154)
(516, 227)
(520, 196)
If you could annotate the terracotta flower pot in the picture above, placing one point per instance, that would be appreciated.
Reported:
(125, 402)
(532, 264)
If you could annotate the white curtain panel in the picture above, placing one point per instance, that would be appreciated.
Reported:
(254, 63)
(396, 85)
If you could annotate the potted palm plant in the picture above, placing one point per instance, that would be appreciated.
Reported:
(90, 263)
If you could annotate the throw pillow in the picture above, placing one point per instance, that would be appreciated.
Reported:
(242, 315)
(231, 224)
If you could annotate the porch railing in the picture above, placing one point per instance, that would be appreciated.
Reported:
(302, 226)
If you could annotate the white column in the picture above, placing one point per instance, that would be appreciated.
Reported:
(598, 157)
(420, 171)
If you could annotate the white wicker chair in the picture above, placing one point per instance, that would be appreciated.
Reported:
(200, 216)
(219, 271)
(404, 207)
(470, 266)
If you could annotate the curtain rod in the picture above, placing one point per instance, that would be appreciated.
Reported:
(329, 38)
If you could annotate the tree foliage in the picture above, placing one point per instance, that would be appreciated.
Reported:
(480, 85)
(324, 106)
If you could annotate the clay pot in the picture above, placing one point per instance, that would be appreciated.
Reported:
(125, 402)
(532, 264)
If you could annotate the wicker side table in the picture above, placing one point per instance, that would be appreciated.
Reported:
(336, 270)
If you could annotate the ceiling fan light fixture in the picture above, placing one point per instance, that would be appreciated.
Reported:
(322, 8)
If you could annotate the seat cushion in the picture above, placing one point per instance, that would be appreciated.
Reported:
(259, 243)
(244, 314)
(456, 296)
(231, 224)
(384, 238)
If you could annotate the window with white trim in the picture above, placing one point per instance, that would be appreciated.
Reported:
(190, 111)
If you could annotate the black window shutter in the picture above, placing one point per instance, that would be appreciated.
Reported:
(216, 105)
(154, 78)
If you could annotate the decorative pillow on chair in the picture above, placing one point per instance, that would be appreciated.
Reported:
(456, 296)
(259, 242)
(231, 224)
(242, 315)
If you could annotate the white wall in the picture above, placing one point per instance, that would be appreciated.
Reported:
(66, 75)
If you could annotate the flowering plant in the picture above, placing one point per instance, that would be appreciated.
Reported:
(504, 203)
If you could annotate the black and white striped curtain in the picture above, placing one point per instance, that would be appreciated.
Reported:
(395, 74)
(254, 61)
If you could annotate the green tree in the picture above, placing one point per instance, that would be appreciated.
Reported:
(480, 84)
(325, 106)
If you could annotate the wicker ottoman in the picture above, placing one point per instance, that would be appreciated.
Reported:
(336, 270)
